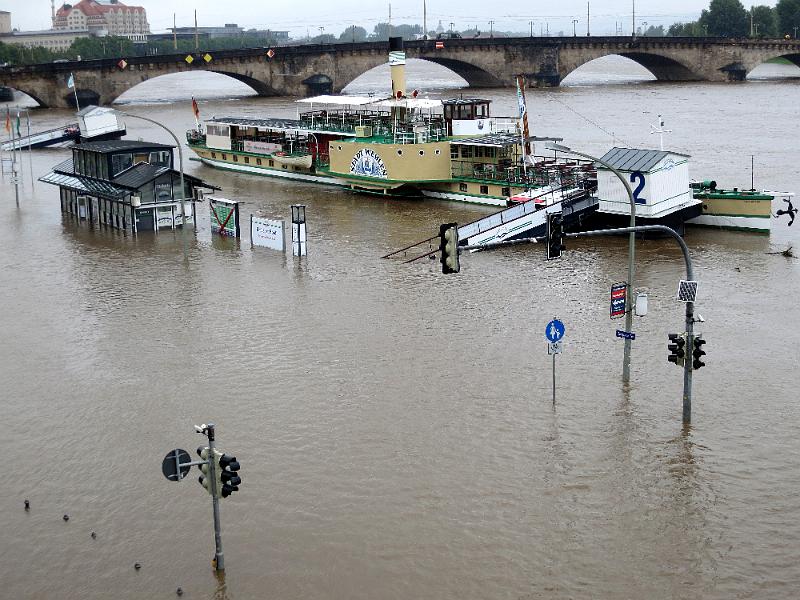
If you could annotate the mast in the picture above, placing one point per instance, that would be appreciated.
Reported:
(523, 119)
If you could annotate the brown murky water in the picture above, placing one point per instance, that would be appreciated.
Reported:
(394, 425)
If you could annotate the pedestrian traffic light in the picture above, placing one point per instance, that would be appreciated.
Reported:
(555, 235)
(698, 353)
(205, 479)
(448, 247)
(229, 467)
(677, 350)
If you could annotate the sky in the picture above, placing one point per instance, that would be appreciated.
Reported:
(307, 17)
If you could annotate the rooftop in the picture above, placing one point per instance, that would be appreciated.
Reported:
(633, 159)
(120, 145)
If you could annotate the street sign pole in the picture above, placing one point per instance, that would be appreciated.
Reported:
(554, 332)
(219, 558)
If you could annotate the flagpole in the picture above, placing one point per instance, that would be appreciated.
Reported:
(14, 174)
(30, 145)
(75, 90)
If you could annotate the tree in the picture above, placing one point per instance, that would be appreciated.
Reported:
(692, 29)
(654, 31)
(383, 31)
(788, 17)
(101, 47)
(353, 34)
(726, 18)
(765, 22)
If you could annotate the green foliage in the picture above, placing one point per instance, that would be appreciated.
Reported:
(354, 34)
(100, 47)
(765, 22)
(726, 18)
(383, 31)
(788, 17)
(654, 31)
(692, 29)
(14, 54)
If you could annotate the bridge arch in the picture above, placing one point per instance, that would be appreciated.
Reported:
(419, 73)
(255, 86)
(793, 58)
(31, 94)
(662, 67)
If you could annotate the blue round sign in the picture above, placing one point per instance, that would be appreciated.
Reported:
(554, 330)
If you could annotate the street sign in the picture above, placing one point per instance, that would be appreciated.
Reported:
(554, 348)
(628, 335)
(619, 296)
(172, 461)
(554, 330)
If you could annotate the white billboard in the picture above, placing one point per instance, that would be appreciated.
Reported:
(267, 233)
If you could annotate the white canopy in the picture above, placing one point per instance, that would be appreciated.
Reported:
(339, 100)
(410, 103)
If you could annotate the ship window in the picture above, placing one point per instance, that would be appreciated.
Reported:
(484, 189)
(422, 152)
(453, 151)
(399, 153)
(339, 148)
(120, 162)
(462, 187)
(213, 155)
(224, 157)
(247, 160)
(235, 158)
(271, 163)
(258, 161)
(478, 152)
(466, 151)
(437, 152)
(506, 191)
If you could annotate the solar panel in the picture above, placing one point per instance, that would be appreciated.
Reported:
(687, 291)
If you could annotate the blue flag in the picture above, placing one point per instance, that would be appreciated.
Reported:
(71, 81)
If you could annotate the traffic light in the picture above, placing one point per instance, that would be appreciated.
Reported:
(229, 467)
(448, 248)
(555, 235)
(205, 479)
(677, 350)
(698, 353)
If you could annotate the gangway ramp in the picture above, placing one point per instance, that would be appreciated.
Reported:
(526, 219)
(66, 133)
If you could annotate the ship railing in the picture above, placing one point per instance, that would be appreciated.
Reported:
(196, 138)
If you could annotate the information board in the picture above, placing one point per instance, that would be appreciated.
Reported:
(267, 233)
(224, 216)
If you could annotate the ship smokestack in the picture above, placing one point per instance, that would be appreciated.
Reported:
(397, 65)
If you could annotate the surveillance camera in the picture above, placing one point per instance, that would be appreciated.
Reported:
(700, 318)
(200, 428)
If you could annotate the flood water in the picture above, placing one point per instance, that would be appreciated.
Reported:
(395, 426)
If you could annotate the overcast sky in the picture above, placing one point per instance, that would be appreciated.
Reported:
(301, 16)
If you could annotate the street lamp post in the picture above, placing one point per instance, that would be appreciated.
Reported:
(626, 359)
(491, 29)
(531, 23)
(180, 163)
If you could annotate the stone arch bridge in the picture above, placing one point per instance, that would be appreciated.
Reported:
(311, 69)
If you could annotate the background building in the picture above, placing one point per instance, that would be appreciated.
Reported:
(57, 41)
(110, 17)
(5, 22)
